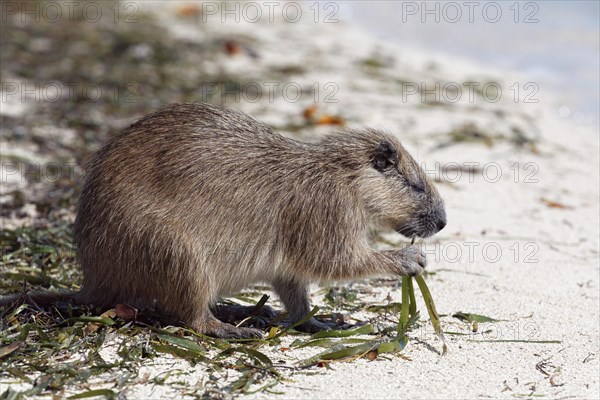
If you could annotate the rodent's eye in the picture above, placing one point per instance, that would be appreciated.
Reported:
(381, 164)
(385, 156)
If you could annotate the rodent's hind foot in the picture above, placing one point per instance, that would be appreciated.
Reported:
(235, 313)
(228, 331)
(213, 327)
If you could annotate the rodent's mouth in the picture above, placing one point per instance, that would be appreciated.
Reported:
(410, 232)
(423, 228)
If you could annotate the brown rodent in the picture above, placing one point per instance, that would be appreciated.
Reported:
(195, 201)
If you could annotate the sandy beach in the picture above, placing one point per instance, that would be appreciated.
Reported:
(520, 183)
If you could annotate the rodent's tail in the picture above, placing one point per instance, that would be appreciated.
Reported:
(39, 299)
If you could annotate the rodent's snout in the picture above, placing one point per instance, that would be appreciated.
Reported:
(433, 223)
(441, 221)
(424, 225)
(437, 221)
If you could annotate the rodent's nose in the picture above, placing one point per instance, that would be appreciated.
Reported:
(441, 222)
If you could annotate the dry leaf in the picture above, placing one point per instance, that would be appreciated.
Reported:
(91, 328)
(109, 313)
(189, 10)
(14, 346)
(554, 204)
(232, 47)
(126, 312)
(309, 112)
(329, 120)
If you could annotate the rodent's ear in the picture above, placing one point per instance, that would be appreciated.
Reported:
(384, 156)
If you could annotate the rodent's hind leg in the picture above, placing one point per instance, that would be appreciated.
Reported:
(235, 313)
(211, 326)
(294, 295)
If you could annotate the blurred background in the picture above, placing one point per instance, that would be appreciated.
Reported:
(553, 43)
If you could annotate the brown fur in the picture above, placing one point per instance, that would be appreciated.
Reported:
(195, 201)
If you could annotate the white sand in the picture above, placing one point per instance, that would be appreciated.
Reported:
(545, 280)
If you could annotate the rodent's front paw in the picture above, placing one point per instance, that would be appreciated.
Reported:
(412, 261)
